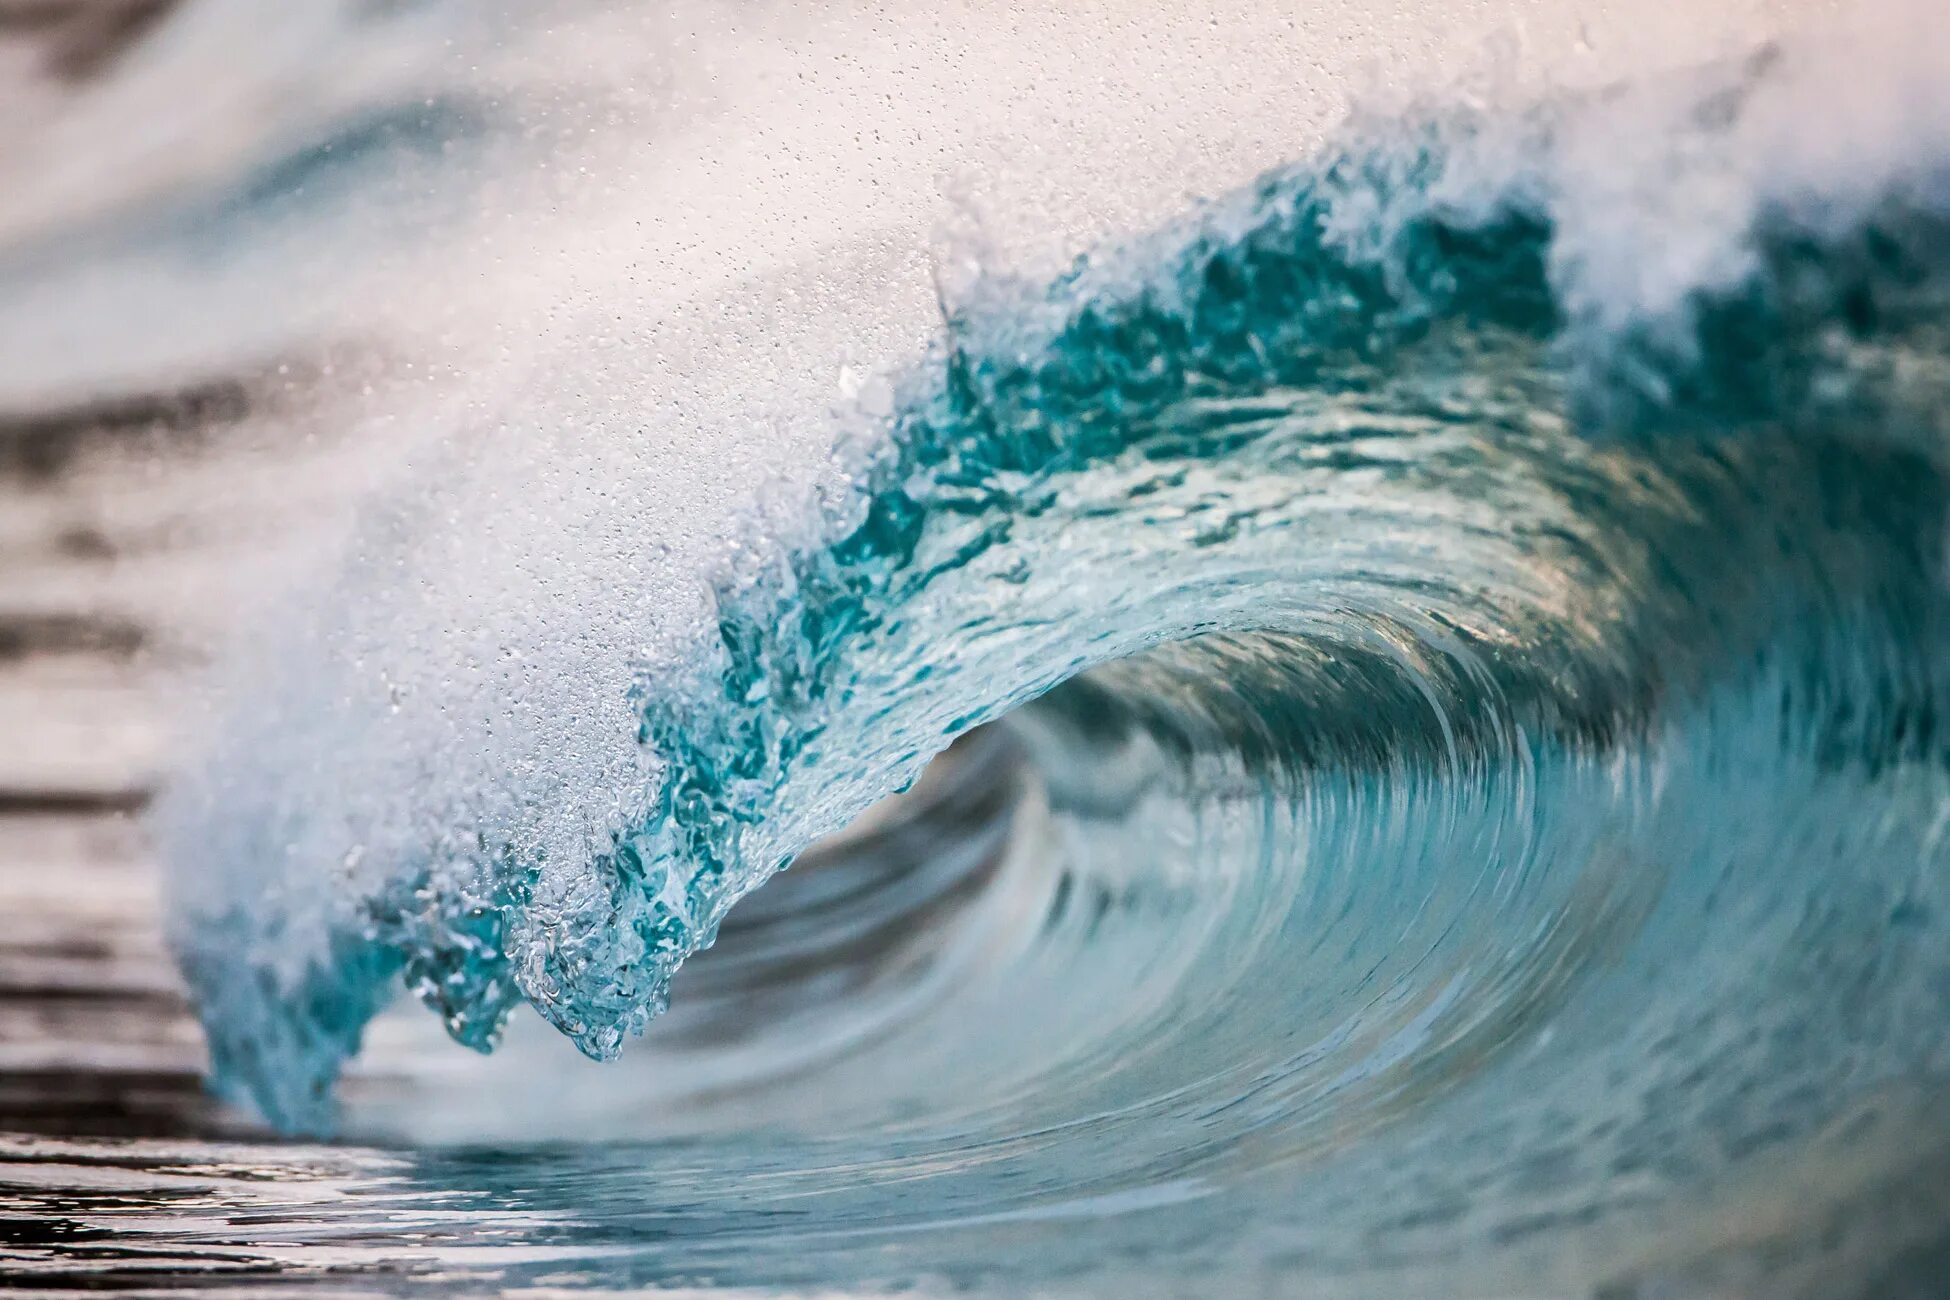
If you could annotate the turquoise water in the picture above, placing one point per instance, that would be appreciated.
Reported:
(1464, 783)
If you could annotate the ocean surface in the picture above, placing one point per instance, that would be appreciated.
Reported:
(754, 651)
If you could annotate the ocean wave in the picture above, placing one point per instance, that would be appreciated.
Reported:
(1442, 651)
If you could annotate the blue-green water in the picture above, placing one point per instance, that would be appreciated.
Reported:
(1472, 787)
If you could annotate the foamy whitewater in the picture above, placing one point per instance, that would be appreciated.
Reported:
(1397, 560)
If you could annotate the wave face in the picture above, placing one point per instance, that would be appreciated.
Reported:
(1450, 761)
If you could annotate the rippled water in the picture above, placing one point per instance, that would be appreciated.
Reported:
(1382, 737)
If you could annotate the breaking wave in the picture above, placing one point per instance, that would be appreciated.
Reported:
(1419, 692)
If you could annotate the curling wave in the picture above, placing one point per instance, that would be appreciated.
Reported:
(1452, 743)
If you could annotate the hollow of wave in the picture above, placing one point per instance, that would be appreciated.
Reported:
(1480, 740)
